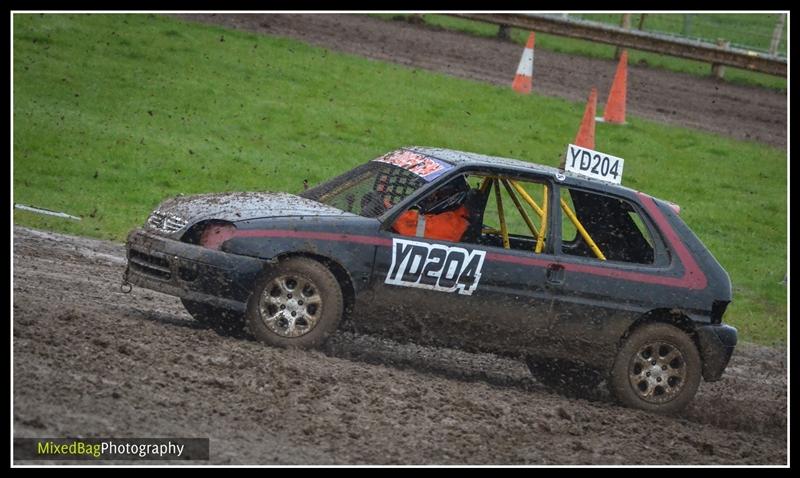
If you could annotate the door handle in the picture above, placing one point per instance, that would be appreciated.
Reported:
(555, 274)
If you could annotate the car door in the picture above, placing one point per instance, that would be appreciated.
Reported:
(482, 293)
(611, 255)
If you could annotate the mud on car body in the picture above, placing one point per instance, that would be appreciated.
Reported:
(584, 279)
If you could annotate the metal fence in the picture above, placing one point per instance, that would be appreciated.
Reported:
(718, 53)
(761, 32)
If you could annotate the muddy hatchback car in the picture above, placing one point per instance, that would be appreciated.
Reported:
(584, 280)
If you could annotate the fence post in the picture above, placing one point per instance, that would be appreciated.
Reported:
(626, 24)
(416, 18)
(687, 25)
(717, 70)
(641, 21)
(504, 32)
(777, 34)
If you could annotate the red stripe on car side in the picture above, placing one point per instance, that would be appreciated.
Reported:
(593, 270)
(322, 236)
(525, 261)
(693, 277)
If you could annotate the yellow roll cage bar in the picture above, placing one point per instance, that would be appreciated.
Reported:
(508, 184)
(582, 230)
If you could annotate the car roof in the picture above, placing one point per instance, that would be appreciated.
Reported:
(467, 159)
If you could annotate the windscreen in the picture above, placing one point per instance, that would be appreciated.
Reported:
(368, 190)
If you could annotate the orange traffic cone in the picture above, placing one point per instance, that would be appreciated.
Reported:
(585, 137)
(615, 107)
(523, 80)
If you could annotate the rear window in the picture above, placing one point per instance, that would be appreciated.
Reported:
(613, 225)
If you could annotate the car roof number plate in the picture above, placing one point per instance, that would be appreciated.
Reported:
(594, 164)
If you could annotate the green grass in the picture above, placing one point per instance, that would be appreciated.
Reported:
(574, 46)
(114, 113)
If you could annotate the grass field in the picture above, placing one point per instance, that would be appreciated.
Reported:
(114, 113)
(574, 46)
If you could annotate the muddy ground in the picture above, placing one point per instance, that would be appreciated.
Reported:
(743, 112)
(90, 360)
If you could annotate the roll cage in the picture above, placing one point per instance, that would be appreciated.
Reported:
(491, 183)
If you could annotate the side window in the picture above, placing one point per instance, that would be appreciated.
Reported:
(443, 213)
(603, 228)
(511, 213)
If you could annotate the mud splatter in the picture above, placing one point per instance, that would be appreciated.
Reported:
(92, 361)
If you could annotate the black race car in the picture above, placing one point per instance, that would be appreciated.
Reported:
(584, 279)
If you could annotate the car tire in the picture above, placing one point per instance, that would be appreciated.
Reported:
(564, 376)
(218, 318)
(298, 303)
(658, 368)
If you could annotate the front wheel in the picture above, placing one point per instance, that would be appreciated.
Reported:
(297, 303)
(658, 368)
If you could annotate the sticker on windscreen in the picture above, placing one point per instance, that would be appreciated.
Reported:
(435, 267)
(423, 166)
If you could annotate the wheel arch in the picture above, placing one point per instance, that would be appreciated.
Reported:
(338, 271)
(674, 317)
(713, 361)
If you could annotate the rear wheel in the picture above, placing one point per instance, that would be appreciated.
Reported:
(658, 368)
(297, 303)
(215, 317)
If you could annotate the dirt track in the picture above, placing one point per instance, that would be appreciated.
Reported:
(92, 361)
(743, 112)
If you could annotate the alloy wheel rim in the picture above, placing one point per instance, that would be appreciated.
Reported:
(290, 306)
(657, 372)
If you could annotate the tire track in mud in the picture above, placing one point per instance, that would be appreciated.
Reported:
(743, 112)
(92, 361)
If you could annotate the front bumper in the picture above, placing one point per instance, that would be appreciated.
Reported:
(190, 271)
(716, 347)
